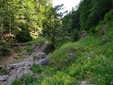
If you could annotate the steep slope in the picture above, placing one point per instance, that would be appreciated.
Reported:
(88, 60)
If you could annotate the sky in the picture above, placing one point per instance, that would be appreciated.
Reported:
(68, 4)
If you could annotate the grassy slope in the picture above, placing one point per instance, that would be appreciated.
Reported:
(90, 58)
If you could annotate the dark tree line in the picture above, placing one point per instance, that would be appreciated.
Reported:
(87, 16)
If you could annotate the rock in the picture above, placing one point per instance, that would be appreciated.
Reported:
(43, 61)
(49, 49)
(103, 30)
(42, 55)
(39, 55)
(14, 66)
(72, 52)
(104, 41)
(16, 71)
(83, 83)
(22, 71)
(83, 34)
(3, 78)
(27, 71)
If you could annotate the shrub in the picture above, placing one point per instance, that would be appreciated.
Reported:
(27, 79)
(23, 36)
(58, 79)
(29, 50)
(17, 82)
(109, 17)
(4, 49)
(37, 41)
(37, 68)
(3, 71)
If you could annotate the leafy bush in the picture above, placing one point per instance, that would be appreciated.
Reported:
(59, 79)
(65, 56)
(37, 68)
(29, 50)
(27, 79)
(41, 69)
(108, 19)
(3, 71)
(36, 41)
(17, 49)
(23, 36)
(102, 73)
(17, 82)
(4, 49)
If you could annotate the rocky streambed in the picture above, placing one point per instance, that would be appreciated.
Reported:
(15, 71)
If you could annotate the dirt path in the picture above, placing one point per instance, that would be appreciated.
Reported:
(18, 69)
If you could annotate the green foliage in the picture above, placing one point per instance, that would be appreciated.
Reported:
(47, 71)
(28, 79)
(3, 71)
(59, 79)
(37, 41)
(17, 49)
(109, 17)
(23, 36)
(70, 28)
(92, 12)
(105, 24)
(29, 49)
(93, 57)
(88, 14)
(103, 72)
(37, 68)
(98, 10)
(85, 7)
(64, 56)
(96, 69)
(15, 13)
(88, 59)
(17, 82)
(91, 63)
(52, 24)
(4, 49)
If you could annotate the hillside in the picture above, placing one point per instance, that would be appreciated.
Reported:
(88, 61)
(41, 45)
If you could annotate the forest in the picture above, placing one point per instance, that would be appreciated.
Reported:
(39, 45)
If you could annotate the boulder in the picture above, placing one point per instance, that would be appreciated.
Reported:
(42, 62)
(39, 56)
(14, 66)
(72, 52)
(3, 78)
(48, 49)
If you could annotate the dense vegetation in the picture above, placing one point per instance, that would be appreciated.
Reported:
(88, 59)
(83, 40)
